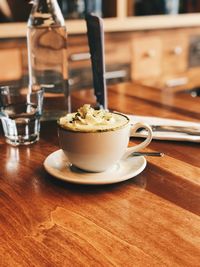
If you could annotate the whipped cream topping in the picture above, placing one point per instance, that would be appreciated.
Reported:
(87, 119)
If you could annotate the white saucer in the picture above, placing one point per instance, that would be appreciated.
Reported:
(58, 165)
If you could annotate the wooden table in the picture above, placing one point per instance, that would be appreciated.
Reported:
(150, 220)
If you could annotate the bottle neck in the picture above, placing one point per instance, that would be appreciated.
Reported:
(46, 13)
(44, 6)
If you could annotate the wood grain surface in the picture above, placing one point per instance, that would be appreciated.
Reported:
(150, 220)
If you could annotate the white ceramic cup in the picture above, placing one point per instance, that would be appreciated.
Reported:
(98, 151)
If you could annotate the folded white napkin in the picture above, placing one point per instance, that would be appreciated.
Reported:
(166, 135)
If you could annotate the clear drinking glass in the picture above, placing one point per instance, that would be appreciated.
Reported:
(20, 113)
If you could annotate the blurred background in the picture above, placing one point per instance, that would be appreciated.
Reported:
(18, 10)
(155, 42)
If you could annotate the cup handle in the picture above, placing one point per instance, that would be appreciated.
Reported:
(142, 145)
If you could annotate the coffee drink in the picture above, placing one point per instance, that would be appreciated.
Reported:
(87, 119)
(95, 140)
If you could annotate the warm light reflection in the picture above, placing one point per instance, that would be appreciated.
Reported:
(18, 161)
(28, 152)
(13, 159)
(13, 156)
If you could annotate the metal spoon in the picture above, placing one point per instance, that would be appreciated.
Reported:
(152, 154)
(95, 35)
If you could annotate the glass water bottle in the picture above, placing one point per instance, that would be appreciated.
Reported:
(47, 56)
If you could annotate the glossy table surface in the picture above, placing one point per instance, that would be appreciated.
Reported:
(150, 220)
